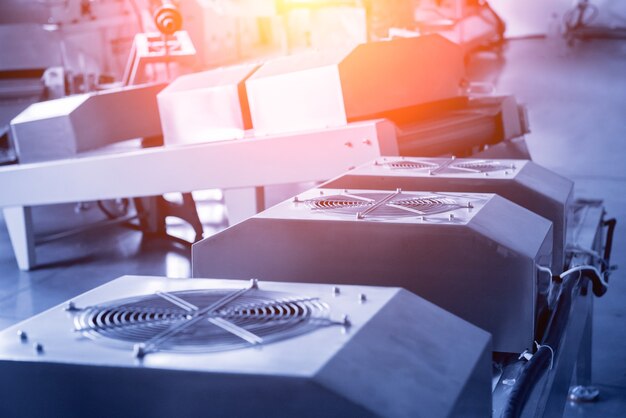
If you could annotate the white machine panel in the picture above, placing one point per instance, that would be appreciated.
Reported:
(332, 87)
(158, 347)
(64, 127)
(475, 255)
(207, 106)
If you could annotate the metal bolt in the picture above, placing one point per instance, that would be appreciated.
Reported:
(38, 348)
(71, 306)
(336, 290)
(348, 144)
(22, 335)
(367, 142)
(506, 173)
(451, 216)
(362, 297)
(345, 320)
(139, 350)
(254, 283)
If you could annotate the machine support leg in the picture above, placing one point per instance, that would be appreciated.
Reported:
(20, 226)
(243, 203)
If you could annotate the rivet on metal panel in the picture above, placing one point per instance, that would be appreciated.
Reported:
(139, 350)
(336, 290)
(22, 335)
(362, 298)
(38, 348)
(451, 216)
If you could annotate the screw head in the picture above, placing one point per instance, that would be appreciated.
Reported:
(23, 336)
(362, 297)
(38, 347)
(139, 350)
(336, 290)
(345, 321)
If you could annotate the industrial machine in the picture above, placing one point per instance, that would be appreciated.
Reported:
(243, 97)
(163, 347)
(85, 122)
(434, 244)
(520, 181)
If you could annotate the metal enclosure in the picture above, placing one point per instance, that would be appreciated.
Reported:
(330, 88)
(474, 255)
(207, 106)
(397, 356)
(62, 128)
(520, 181)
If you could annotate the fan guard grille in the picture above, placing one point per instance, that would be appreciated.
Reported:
(181, 322)
(384, 205)
(448, 166)
(410, 165)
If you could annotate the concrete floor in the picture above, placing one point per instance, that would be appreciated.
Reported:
(577, 103)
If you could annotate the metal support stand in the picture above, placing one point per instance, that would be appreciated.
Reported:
(19, 223)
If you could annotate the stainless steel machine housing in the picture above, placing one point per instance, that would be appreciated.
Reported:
(396, 356)
(475, 258)
(520, 181)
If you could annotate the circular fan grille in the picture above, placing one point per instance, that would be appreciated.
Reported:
(481, 166)
(410, 165)
(383, 205)
(190, 324)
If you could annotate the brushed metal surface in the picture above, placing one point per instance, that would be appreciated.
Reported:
(401, 357)
(481, 265)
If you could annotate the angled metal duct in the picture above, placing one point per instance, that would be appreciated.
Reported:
(475, 255)
(520, 181)
(157, 347)
(64, 127)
